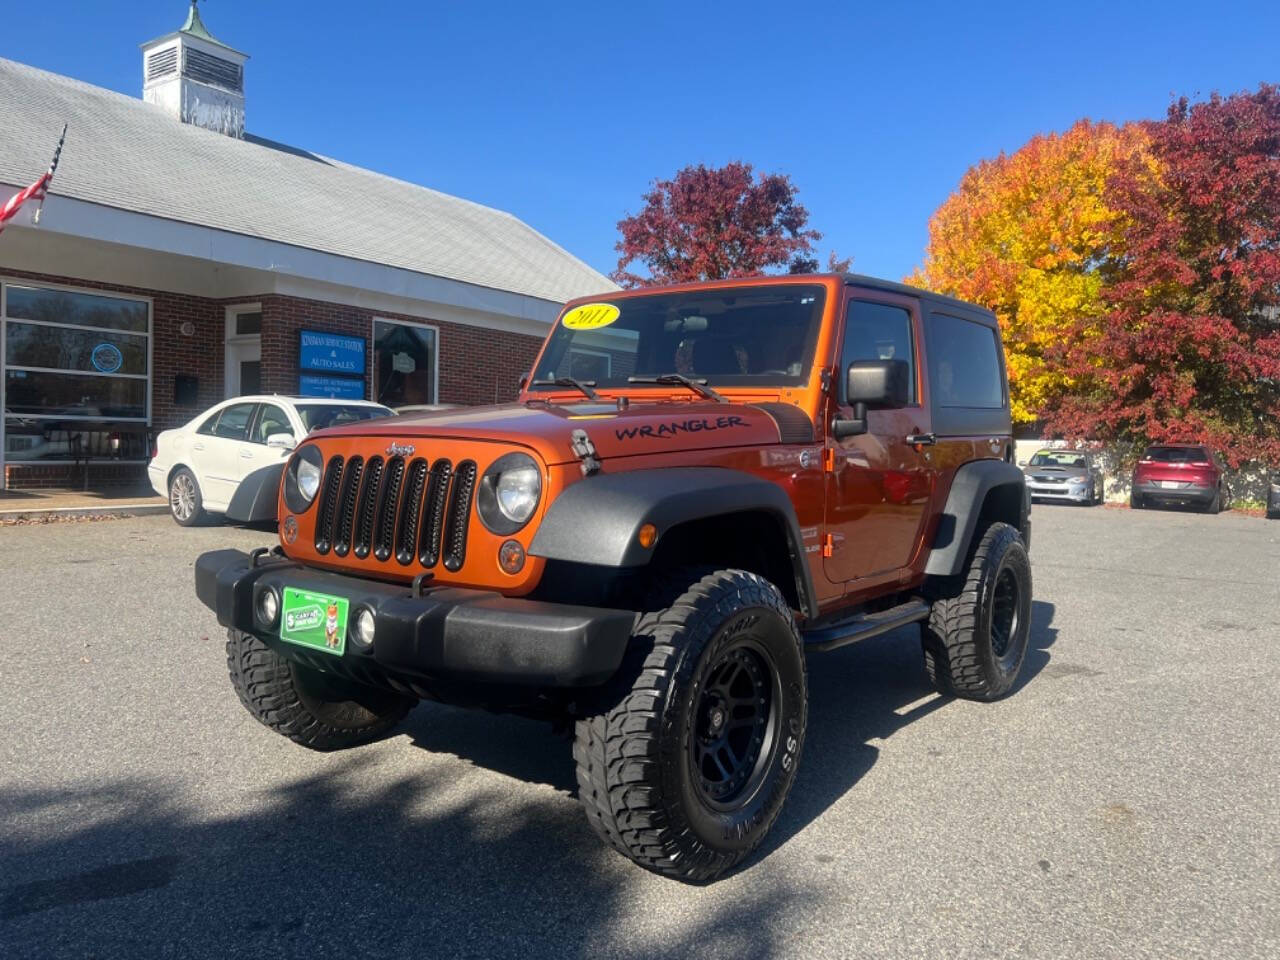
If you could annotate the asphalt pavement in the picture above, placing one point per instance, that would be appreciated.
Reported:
(1124, 802)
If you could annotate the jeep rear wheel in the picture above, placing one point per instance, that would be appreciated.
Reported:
(976, 636)
(694, 747)
(311, 708)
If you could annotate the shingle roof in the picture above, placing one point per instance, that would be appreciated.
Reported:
(128, 154)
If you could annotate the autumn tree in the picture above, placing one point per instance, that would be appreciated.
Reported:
(1030, 235)
(714, 223)
(1189, 346)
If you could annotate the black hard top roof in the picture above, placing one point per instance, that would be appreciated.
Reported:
(874, 283)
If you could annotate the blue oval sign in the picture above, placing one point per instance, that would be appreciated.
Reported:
(107, 358)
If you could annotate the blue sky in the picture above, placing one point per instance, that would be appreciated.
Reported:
(562, 113)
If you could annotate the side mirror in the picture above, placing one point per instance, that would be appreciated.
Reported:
(872, 384)
(281, 441)
(1023, 463)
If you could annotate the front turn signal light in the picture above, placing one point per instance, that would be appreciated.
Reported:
(647, 536)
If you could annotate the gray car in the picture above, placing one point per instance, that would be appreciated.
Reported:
(1069, 475)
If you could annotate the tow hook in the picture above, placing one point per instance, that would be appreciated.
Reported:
(585, 451)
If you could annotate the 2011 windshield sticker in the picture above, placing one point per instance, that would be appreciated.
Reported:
(590, 316)
(664, 431)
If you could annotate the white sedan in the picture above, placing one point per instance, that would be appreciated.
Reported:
(201, 465)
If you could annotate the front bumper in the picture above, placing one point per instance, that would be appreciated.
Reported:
(446, 633)
(1154, 491)
(1076, 492)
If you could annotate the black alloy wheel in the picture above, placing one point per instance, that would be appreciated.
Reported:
(734, 725)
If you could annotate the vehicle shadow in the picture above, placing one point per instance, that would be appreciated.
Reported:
(326, 865)
(857, 694)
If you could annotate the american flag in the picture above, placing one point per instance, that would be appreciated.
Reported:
(36, 191)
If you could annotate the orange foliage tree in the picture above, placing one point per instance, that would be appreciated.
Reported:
(1031, 236)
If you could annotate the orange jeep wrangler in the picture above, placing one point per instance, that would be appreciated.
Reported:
(698, 486)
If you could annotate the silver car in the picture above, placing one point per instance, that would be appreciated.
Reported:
(1070, 475)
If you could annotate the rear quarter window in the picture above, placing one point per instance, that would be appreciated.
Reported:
(965, 359)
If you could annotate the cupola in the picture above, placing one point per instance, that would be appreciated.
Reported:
(195, 77)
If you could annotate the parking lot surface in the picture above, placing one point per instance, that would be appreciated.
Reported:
(1124, 802)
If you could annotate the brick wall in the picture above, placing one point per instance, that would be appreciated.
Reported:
(476, 365)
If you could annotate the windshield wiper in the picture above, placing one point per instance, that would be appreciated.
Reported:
(697, 386)
(582, 386)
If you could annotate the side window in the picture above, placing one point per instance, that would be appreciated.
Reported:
(965, 358)
(234, 422)
(210, 422)
(878, 331)
(271, 419)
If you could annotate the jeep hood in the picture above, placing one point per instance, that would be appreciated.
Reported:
(643, 428)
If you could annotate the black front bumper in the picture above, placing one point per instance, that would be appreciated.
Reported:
(446, 633)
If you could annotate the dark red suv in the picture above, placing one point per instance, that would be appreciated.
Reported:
(1182, 473)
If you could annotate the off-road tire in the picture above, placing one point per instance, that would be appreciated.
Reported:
(635, 752)
(184, 478)
(962, 654)
(308, 707)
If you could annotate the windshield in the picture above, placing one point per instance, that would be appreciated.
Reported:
(317, 416)
(1058, 458)
(751, 336)
(1177, 454)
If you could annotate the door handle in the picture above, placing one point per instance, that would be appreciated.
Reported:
(197, 446)
(247, 454)
(921, 439)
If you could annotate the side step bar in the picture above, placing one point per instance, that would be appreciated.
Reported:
(864, 626)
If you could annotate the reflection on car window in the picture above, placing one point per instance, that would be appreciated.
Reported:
(734, 337)
(878, 331)
(207, 427)
(1059, 458)
(317, 416)
(271, 420)
(965, 358)
(234, 422)
(1176, 454)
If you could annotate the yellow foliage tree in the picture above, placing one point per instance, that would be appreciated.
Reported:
(1030, 236)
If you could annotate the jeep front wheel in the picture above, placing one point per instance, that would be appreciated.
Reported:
(311, 708)
(694, 747)
(976, 636)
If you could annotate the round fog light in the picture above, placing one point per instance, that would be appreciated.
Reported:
(511, 557)
(363, 635)
(268, 606)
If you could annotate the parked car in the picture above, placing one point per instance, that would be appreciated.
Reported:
(1180, 473)
(200, 466)
(1069, 475)
(652, 557)
(1273, 497)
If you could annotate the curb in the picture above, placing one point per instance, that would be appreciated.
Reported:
(71, 513)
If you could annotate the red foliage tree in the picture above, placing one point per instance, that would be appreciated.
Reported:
(1188, 348)
(714, 223)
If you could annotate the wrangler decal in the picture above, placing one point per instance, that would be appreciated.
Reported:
(663, 431)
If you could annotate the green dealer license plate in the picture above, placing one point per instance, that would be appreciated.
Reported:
(314, 620)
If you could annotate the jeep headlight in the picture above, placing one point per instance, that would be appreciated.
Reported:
(302, 478)
(509, 493)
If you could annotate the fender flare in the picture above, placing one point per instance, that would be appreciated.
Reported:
(257, 496)
(596, 520)
(969, 489)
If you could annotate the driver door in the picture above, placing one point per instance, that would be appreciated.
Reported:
(879, 485)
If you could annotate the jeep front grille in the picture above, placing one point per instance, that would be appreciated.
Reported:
(412, 510)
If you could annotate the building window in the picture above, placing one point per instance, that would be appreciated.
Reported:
(76, 378)
(405, 363)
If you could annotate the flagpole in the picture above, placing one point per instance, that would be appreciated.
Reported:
(57, 152)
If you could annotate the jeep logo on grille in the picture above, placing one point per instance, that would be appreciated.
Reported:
(400, 450)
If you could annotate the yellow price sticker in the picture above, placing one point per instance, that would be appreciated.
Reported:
(590, 316)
